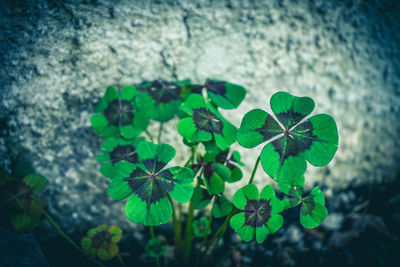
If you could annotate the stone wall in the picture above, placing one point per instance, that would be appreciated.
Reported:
(58, 58)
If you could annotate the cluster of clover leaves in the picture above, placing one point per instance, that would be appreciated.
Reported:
(22, 209)
(135, 161)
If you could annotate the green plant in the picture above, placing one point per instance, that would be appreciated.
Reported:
(135, 167)
(102, 242)
(22, 208)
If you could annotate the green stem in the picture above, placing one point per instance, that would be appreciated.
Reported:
(149, 135)
(207, 231)
(159, 133)
(254, 170)
(226, 255)
(177, 231)
(121, 260)
(220, 232)
(153, 235)
(61, 232)
(188, 232)
(48, 217)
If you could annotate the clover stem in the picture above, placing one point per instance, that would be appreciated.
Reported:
(121, 260)
(220, 232)
(226, 255)
(191, 159)
(159, 133)
(149, 135)
(253, 173)
(207, 230)
(188, 232)
(153, 235)
(64, 235)
(175, 225)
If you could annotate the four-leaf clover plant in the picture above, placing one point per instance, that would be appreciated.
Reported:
(102, 242)
(258, 215)
(149, 186)
(291, 140)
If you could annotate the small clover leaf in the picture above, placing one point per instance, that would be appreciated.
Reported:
(201, 198)
(205, 123)
(19, 200)
(224, 94)
(160, 99)
(116, 114)
(22, 168)
(222, 207)
(294, 190)
(200, 227)
(29, 212)
(257, 216)
(284, 159)
(214, 177)
(155, 248)
(313, 212)
(147, 184)
(114, 150)
(102, 242)
(214, 174)
(231, 161)
(34, 182)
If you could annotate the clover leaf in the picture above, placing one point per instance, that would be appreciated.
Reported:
(22, 168)
(200, 227)
(257, 216)
(33, 182)
(116, 114)
(205, 123)
(201, 198)
(313, 212)
(222, 207)
(284, 158)
(224, 94)
(160, 99)
(230, 160)
(293, 189)
(18, 198)
(102, 242)
(155, 248)
(28, 214)
(148, 184)
(114, 150)
(214, 174)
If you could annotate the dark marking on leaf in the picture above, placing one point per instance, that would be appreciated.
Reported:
(101, 240)
(208, 171)
(303, 135)
(289, 118)
(286, 147)
(124, 152)
(119, 112)
(207, 121)
(150, 187)
(166, 180)
(153, 165)
(269, 129)
(164, 92)
(257, 212)
(217, 88)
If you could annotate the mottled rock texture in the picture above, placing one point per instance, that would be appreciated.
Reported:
(57, 59)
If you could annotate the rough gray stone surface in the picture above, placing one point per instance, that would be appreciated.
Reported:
(57, 59)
